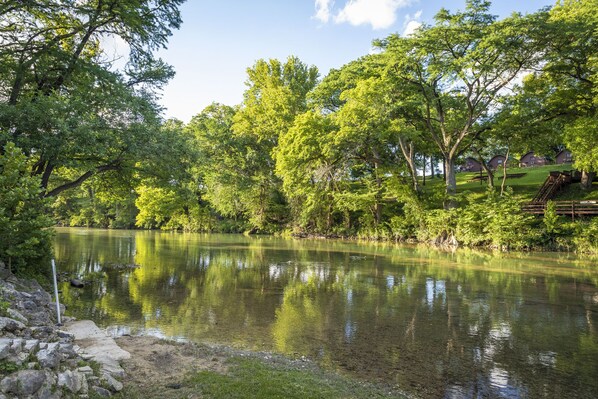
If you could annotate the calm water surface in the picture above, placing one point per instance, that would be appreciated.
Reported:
(438, 325)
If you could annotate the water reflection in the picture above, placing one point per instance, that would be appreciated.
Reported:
(462, 324)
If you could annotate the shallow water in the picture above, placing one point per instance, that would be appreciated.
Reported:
(439, 325)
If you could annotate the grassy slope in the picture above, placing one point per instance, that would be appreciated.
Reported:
(524, 187)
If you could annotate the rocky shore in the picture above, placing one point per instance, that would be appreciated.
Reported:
(39, 359)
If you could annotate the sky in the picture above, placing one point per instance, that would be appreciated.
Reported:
(220, 39)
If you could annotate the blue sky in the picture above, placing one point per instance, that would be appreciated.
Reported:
(219, 40)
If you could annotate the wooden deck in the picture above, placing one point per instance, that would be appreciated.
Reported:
(566, 208)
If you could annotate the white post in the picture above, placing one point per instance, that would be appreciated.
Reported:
(56, 292)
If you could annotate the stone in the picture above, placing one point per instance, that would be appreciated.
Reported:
(112, 383)
(10, 325)
(9, 384)
(30, 381)
(22, 357)
(16, 315)
(31, 345)
(43, 333)
(41, 296)
(48, 358)
(101, 391)
(39, 318)
(17, 345)
(30, 305)
(5, 345)
(68, 351)
(65, 334)
(85, 370)
(72, 381)
(77, 283)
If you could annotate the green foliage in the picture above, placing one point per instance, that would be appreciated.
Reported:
(25, 237)
(586, 237)
(551, 220)
(8, 367)
(496, 222)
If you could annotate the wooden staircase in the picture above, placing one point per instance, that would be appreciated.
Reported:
(554, 183)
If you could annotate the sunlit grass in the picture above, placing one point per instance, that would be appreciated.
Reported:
(253, 378)
(524, 187)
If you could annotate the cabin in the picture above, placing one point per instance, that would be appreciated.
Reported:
(530, 159)
(496, 162)
(564, 157)
(471, 165)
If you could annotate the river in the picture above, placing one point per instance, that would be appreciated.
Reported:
(460, 324)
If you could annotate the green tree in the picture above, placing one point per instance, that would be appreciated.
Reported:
(25, 240)
(276, 94)
(451, 75)
(64, 100)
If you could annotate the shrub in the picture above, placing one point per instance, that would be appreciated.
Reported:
(25, 240)
(586, 237)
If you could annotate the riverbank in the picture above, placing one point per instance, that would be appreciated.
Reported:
(167, 369)
(38, 358)
(41, 360)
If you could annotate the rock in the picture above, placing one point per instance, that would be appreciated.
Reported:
(66, 334)
(31, 345)
(112, 384)
(16, 315)
(30, 381)
(5, 345)
(73, 381)
(41, 296)
(30, 305)
(10, 325)
(39, 318)
(42, 332)
(85, 370)
(77, 283)
(17, 345)
(23, 383)
(9, 384)
(49, 357)
(68, 350)
(101, 391)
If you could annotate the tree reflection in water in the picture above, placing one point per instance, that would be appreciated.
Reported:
(461, 324)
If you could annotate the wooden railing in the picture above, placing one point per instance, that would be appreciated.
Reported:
(553, 184)
(567, 208)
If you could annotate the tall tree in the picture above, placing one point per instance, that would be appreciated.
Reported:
(64, 101)
(453, 73)
(276, 94)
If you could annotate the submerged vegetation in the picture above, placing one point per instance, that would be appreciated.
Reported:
(370, 150)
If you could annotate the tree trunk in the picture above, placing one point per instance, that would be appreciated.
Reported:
(486, 168)
(450, 180)
(378, 205)
(586, 179)
(408, 150)
(424, 170)
(504, 173)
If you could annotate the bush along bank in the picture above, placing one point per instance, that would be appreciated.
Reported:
(497, 222)
(37, 359)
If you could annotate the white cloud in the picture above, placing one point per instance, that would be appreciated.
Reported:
(380, 14)
(411, 23)
(323, 8)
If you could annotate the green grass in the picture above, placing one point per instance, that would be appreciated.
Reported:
(253, 378)
(524, 187)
